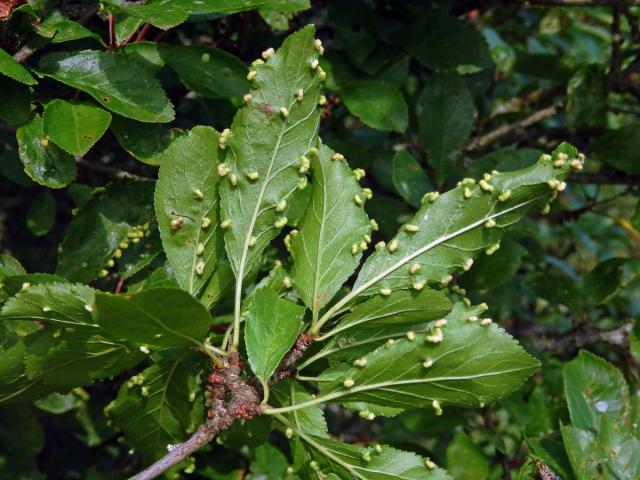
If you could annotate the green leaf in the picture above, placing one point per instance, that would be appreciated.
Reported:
(16, 283)
(453, 229)
(584, 453)
(497, 269)
(219, 286)
(595, 389)
(635, 217)
(114, 80)
(60, 29)
(149, 54)
(310, 420)
(409, 178)
(378, 104)
(587, 96)
(15, 102)
(161, 317)
(186, 202)
(413, 313)
(274, 155)
(164, 14)
(146, 142)
(208, 71)
(14, 384)
(273, 324)
(465, 459)
(403, 307)
(160, 406)
(95, 235)
(622, 448)
(42, 213)
(328, 248)
(53, 303)
(472, 366)
(269, 463)
(12, 69)
(609, 278)
(68, 358)
(225, 6)
(618, 148)
(139, 255)
(43, 161)
(351, 462)
(466, 50)
(75, 127)
(446, 115)
(10, 266)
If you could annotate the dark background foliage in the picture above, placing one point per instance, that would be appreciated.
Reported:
(419, 95)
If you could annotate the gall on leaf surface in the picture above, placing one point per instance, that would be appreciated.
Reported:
(265, 166)
(471, 366)
(452, 229)
(186, 204)
(333, 231)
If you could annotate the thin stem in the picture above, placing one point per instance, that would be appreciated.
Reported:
(143, 32)
(112, 31)
(303, 405)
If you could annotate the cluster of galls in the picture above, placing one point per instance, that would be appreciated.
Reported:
(135, 236)
(228, 395)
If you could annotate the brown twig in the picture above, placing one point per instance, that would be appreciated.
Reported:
(616, 43)
(112, 31)
(143, 32)
(605, 178)
(243, 403)
(488, 138)
(577, 339)
(24, 53)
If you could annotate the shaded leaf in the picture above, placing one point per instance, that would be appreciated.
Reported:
(42, 213)
(465, 459)
(446, 114)
(15, 102)
(67, 358)
(378, 104)
(160, 406)
(618, 148)
(208, 71)
(409, 178)
(146, 142)
(609, 278)
(466, 50)
(95, 235)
